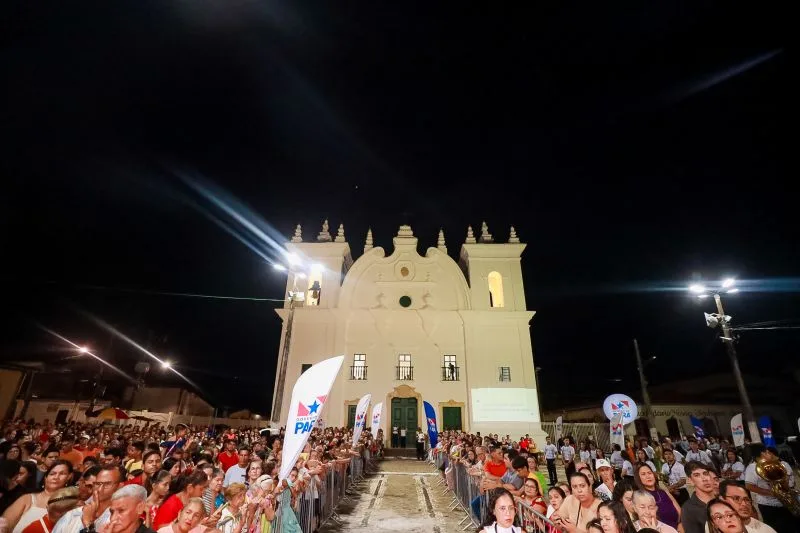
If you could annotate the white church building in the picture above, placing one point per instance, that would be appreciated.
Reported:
(413, 328)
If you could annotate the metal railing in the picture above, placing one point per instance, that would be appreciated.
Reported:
(450, 373)
(358, 372)
(581, 431)
(405, 373)
(317, 504)
(474, 500)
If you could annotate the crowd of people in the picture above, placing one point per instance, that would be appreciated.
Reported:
(84, 478)
(694, 486)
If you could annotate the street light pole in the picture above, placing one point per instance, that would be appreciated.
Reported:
(651, 419)
(727, 338)
(277, 404)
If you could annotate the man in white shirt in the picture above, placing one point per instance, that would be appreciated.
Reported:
(95, 513)
(676, 477)
(740, 499)
(550, 454)
(238, 472)
(696, 454)
(567, 455)
(403, 433)
(772, 510)
(420, 445)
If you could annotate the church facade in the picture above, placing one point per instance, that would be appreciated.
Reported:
(413, 328)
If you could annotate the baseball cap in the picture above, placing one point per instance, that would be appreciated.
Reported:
(602, 463)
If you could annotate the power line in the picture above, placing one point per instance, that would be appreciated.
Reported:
(183, 294)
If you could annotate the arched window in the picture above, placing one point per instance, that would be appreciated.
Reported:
(495, 289)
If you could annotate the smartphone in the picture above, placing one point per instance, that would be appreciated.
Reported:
(222, 507)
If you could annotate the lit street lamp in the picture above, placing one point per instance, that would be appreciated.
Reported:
(722, 320)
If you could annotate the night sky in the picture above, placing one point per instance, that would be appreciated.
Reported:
(633, 147)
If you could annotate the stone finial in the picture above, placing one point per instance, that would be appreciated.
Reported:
(440, 244)
(405, 231)
(368, 242)
(470, 236)
(485, 235)
(324, 235)
(298, 234)
(512, 236)
(340, 234)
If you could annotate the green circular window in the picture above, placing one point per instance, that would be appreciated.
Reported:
(405, 301)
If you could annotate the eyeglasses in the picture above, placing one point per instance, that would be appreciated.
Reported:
(505, 509)
(726, 516)
(104, 484)
(740, 499)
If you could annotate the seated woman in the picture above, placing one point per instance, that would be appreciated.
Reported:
(668, 510)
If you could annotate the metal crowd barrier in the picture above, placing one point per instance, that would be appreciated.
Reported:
(323, 494)
(475, 502)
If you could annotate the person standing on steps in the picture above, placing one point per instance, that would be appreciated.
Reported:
(550, 454)
(420, 445)
(395, 436)
(403, 432)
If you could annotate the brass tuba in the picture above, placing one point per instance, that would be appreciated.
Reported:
(774, 472)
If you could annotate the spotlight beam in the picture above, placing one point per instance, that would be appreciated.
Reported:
(84, 351)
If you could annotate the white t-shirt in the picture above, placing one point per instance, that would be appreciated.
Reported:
(757, 526)
(676, 472)
(567, 453)
(736, 467)
(616, 459)
(494, 528)
(550, 451)
(403, 432)
(627, 468)
(751, 477)
(701, 456)
(420, 436)
(235, 474)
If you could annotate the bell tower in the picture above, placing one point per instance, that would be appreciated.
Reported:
(493, 271)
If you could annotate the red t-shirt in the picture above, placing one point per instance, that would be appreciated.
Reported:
(167, 512)
(228, 461)
(498, 470)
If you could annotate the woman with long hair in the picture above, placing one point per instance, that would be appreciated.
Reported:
(532, 498)
(623, 493)
(288, 489)
(32, 507)
(647, 513)
(641, 458)
(183, 489)
(614, 518)
(173, 466)
(722, 518)
(733, 467)
(21, 476)
(669, 511)
(501, 515)
(254, 471)
(159, 489)
(212, 496)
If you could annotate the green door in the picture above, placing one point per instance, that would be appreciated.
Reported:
(452, 418)
(404, 414)
(351, 416)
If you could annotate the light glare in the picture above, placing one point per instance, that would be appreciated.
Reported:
(83, 349)
(293, 259)
(279, 267)
(317, 267)
(166, 364)
(702, 295)
(697, 287)
(733, 290)
(300, 275)
(728, 283)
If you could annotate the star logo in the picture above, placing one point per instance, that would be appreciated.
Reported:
(313, 408)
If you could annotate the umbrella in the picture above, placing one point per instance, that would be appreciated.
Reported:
(110, 413)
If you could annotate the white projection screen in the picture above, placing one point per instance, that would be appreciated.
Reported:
(504, 405)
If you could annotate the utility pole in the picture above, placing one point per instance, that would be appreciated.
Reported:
(28, 394)
(651, 419)
(727, 339)
(277, 403)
